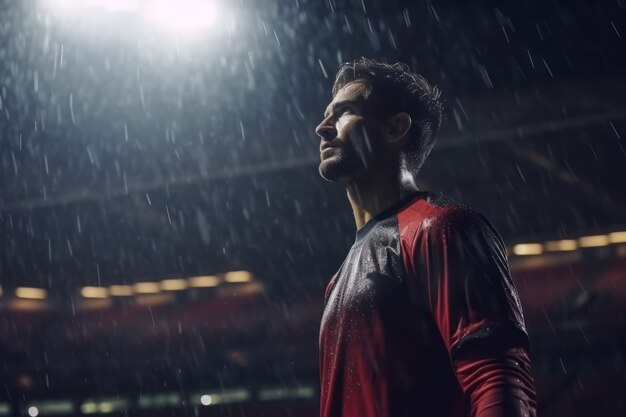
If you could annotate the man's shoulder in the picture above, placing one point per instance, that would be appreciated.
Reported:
(436, 213)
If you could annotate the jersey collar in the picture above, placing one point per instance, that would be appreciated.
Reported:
(363, 231)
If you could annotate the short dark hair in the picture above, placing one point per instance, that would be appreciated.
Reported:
(397, 89)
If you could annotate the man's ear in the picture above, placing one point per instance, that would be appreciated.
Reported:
(398, 127)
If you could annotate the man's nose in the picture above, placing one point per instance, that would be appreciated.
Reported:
(326, 131)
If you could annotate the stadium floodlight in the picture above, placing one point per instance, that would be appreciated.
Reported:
(105, 5)
(113, 5)
(178, 16)
(182, 15)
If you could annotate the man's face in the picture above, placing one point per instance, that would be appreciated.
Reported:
(349, 134)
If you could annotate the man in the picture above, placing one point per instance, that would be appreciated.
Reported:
(422, 318)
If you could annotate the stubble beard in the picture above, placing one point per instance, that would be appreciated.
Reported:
(348, 162)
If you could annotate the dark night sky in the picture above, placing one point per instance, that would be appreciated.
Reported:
(139, 154)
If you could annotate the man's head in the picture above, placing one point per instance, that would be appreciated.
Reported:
(382, 116)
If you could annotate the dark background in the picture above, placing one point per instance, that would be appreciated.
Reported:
(129, 154)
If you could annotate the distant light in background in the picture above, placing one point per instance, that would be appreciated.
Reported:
(238, 276)
(173, 284)
(282, 393)
(94, 292)
(121, 290)
(593, 241)
(528, 249)
(33, 411)
(617, 237)
(158, 400)
(206, 281)
(30, 293)
(147, 287)
(53, 407)
(104, 405)
(561, 245)
(89, 408)
(224, 396)
(25, 381)
(182, 15)
(569, 244)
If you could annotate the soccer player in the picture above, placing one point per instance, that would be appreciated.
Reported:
(422, 318)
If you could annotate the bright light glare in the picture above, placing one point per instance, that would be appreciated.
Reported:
(206, 399)
(182, 16)
(174, 15)
(33, 411)
(107, 5)
(113, 5)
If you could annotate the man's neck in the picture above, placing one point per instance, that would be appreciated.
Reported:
(369, 198)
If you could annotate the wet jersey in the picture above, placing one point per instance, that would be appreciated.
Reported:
(425, 283)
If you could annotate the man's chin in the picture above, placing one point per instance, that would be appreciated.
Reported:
(333, 172)
(329, 172)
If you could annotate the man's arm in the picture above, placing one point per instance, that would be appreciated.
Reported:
(461, 260)
(498, 384)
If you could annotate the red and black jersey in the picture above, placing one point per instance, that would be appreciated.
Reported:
(423, 319)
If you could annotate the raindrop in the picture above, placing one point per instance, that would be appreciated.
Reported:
(485, 76)
(548, 68)
(72, 109)
(505, 35)
(167, 210)
(14, 162)
(323, 69)
(612, 127)
(276, 36)
(243, 132)
(530, 58)
(407, 18)
(615, 29)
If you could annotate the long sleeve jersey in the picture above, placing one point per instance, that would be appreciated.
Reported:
(423, 319)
